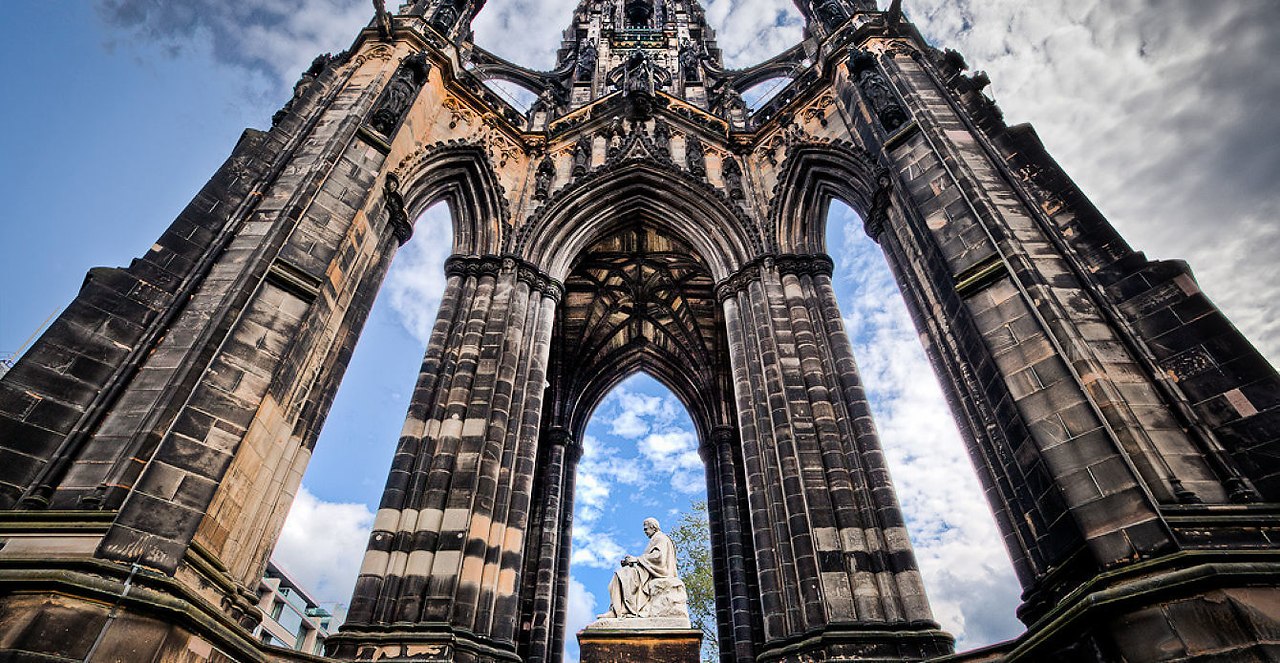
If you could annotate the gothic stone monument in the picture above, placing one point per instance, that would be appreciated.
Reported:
(648, 616)
(639, 217)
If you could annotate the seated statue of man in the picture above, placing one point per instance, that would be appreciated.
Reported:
(648, 586)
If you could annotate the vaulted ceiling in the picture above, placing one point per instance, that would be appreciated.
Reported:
(639, 300)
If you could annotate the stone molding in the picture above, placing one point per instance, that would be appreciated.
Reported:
(817, 264)
(491, 265)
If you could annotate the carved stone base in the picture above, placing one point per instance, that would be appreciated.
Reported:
(601, 645)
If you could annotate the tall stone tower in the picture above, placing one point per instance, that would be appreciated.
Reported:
(640, 217)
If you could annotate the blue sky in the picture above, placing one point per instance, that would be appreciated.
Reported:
(119, 111)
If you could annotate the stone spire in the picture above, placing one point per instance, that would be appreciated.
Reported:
(669, 37)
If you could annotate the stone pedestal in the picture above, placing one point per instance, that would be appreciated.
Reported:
(600, 644)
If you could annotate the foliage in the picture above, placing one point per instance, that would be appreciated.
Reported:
(692, 539)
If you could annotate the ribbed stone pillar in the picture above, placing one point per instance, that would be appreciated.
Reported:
(832, 555)
(729, 546)
(572, 455)
(559, 457)
(447, 547)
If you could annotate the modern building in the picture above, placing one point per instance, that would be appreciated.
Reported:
(291, 618)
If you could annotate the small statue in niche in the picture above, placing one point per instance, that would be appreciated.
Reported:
(690, 57)
(543, 179)
(647, 586)
(638, 77)
(662, 138)
(832, 13)
(582, 156)
(399, 93)
(732, 174)
(880, 97)
(725, 98)
(613, 135)
(694, 157)
(585, 68)
(397, 216)
(446, 16)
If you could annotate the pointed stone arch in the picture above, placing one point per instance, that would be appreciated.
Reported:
(811, 176)
(462, 175)
(686, 206)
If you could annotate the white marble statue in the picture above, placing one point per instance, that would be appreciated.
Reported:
(646, 591)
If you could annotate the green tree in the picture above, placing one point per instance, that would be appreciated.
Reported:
(692, 539)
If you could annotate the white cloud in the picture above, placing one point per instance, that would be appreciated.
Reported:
(275, 37)
(417, 280)
(1158, 110)
(634, 413)
(594, 548)
(582, 609)
(959, 549)
(322, 545)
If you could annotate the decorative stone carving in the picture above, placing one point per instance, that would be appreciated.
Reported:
(732, 173)
(638, 77)
(300, 88)
(646, 590)
(832, 14)
(446, 16)
(543, 179)
(880, 200)
(397, 216)
(585, 69)
(662, 138)
(690, 57)
(582, 156)
(880, 97)
(694, 157)
(400, 93)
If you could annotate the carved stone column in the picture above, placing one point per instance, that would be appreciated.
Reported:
(832, 554)
(734, 594)
(447, 549)
(560, 455)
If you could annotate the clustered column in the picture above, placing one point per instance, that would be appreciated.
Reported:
(550, 550)
(831, 551)
(734, 589)
(447, 545)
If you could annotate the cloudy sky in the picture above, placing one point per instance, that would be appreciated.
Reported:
(1163, 112)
